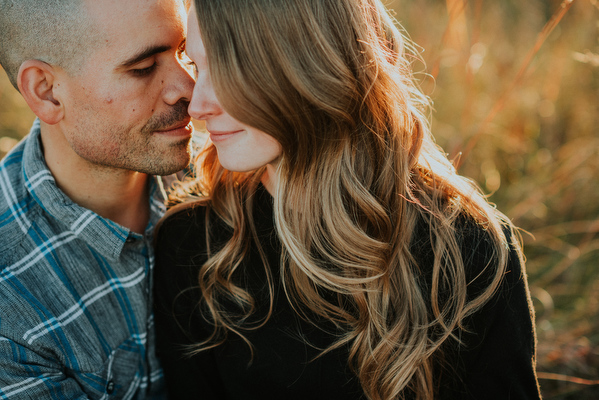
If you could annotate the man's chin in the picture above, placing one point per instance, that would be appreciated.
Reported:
(171, 166)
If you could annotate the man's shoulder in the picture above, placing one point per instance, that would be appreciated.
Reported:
(11, 174)
(18, 208)
(15, 201)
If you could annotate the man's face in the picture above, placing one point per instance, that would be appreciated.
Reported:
(127, 108)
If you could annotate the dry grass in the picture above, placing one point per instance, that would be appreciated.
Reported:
(516, 93)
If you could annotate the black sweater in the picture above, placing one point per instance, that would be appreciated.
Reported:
(495, 361)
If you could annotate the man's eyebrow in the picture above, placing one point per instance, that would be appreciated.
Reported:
(143, 54)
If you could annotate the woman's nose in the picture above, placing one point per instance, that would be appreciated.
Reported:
(204, 104)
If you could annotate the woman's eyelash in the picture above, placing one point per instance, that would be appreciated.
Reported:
(195, 68)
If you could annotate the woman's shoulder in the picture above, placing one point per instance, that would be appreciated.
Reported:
(182, 213)
(475, 238)
(181, 238)
(181, 223)
(485, 254)
(479, 249)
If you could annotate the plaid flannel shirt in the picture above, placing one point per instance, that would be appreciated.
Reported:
(75, 291)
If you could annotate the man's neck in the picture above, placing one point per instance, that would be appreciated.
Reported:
(116, 194)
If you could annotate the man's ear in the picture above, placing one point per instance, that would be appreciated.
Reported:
(36, 80)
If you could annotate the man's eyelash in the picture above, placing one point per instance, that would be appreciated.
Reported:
(144, 71)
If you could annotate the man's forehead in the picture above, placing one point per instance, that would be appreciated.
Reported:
(132, 29)
(117, 16)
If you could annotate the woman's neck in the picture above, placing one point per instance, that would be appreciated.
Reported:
(269, 179)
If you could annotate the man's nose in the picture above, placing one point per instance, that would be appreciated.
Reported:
(180, 85)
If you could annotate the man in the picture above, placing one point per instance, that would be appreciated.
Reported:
(110, 84)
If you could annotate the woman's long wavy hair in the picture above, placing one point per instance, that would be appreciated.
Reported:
(331, 81)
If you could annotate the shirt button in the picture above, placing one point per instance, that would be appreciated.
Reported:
(110, 387)
(130, 240)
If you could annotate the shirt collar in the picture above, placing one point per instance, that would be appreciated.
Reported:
(104, 235)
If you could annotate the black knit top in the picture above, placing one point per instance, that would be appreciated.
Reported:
(494, 361)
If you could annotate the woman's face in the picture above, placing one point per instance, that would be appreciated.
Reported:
(240, 147)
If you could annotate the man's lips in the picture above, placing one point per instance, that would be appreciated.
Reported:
(184, 128)
(218, 136)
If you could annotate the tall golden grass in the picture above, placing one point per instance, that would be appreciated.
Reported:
(516, 91)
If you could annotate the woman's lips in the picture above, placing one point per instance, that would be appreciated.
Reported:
(219, 136)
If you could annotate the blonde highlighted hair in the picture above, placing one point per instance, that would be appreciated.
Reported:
(331, 81)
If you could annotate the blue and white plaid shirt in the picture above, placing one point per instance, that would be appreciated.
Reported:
(75, 291)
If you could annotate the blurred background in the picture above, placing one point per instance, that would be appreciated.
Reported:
(515, 86)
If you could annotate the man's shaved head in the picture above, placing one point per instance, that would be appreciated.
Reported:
(58, 32)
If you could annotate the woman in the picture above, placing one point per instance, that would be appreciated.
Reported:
(327, 248)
